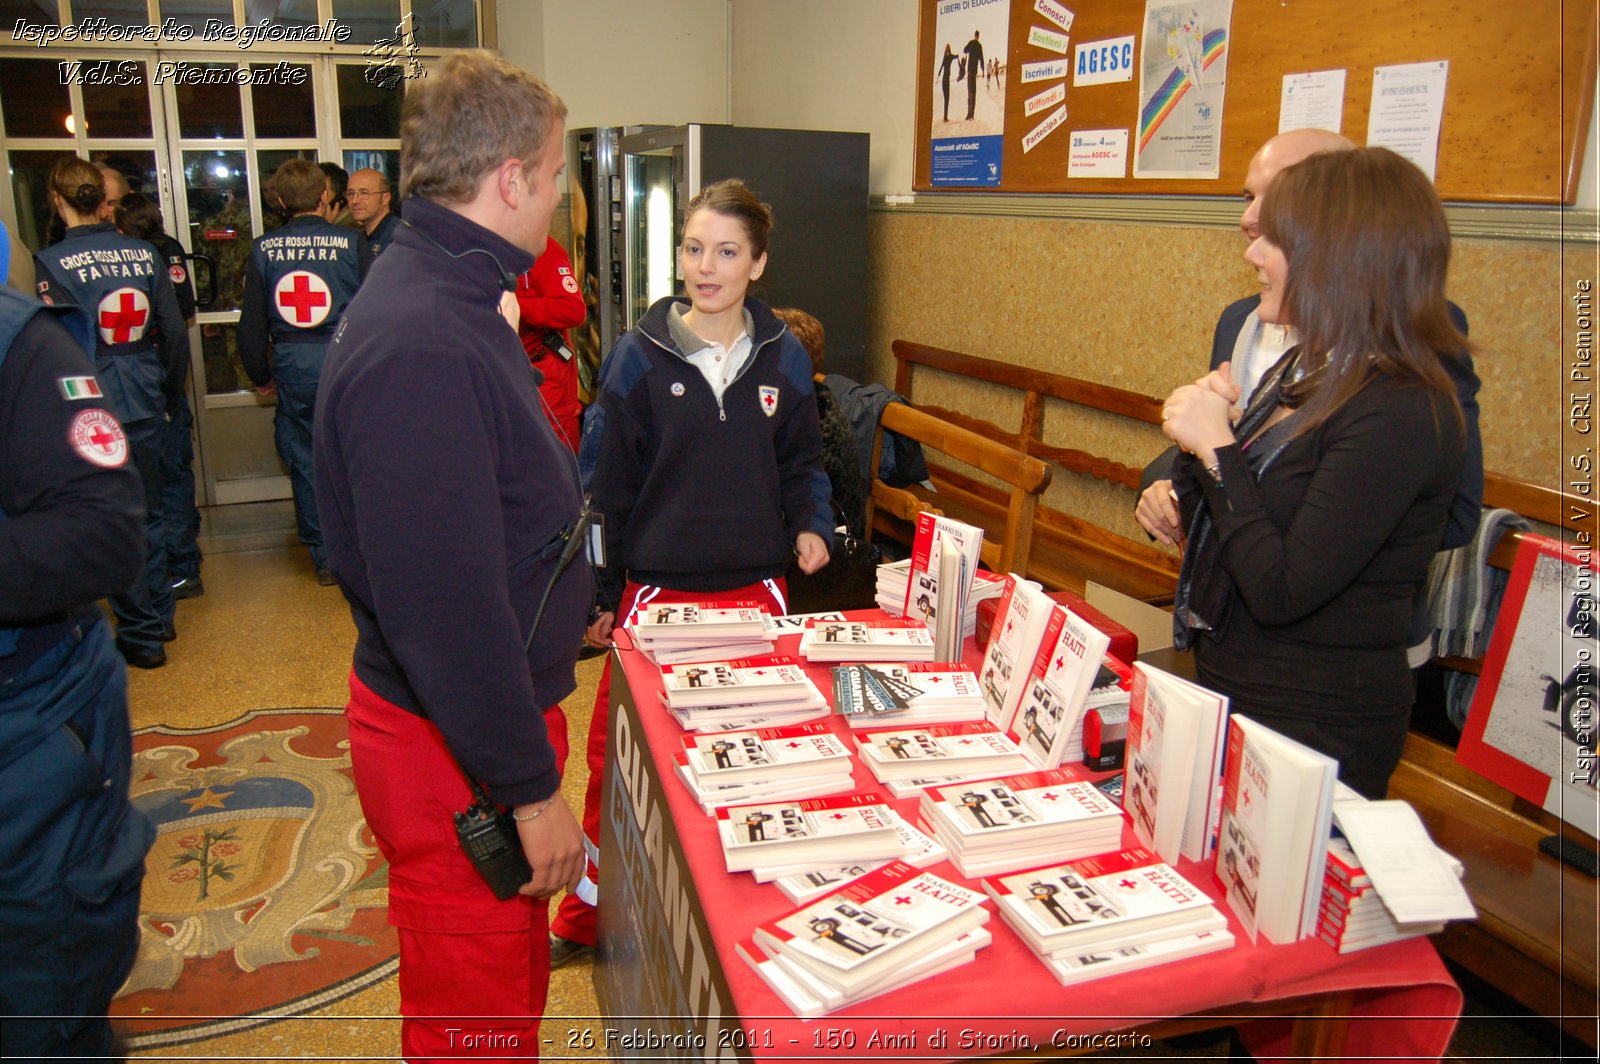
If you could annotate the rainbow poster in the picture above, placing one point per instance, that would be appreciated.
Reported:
(1183, 76)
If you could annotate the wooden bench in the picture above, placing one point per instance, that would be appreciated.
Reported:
(1066, 548)
(893, 511)
(1535, 937)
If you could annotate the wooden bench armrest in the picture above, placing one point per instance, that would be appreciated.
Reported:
(900, 503)
(1006, 463)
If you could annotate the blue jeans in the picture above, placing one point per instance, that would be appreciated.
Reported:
(180, 519)
(291, 428)
(145, 609)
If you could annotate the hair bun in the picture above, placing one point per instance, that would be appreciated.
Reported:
(89, 197)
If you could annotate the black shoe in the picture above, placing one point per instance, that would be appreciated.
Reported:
(188, 587)
(564, 951)
(143, 659)
(588, 650)
(325, 578)
(168, 634)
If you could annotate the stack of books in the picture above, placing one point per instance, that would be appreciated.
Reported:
(716, 695)
(1019, 625)
(1277, 817)
(1000, 825)
(1112, 687)
(899, 640)
(801, 887)
(965, 751)
(888, 929)
(886, 694)
(1048, 721)
(894, 578)
(1352, 916)
(1117, 912)
(766, 764)
(676, 633)
(1176, 740)
(777, 837)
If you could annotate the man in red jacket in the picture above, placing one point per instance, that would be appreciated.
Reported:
(551, 303)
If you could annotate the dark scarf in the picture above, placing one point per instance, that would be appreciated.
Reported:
(1205, 590)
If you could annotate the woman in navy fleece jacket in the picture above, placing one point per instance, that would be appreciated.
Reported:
(703, 452)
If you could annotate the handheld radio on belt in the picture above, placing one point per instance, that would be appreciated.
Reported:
(487, 833)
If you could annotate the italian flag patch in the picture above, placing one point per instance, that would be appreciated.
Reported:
(80, 388)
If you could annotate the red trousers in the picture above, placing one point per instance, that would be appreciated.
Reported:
(575, 918)
(474, 970)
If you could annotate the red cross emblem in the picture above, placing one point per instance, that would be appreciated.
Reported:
(901, 899)
(124, 316)
(1128, 884)
(769, 400)
(97, 436)
(1050, 796)
(303, 299)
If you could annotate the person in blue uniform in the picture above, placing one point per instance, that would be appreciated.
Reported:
(71, 845)
(137, 215)
(141, 351)
(371, 201)
(300, 279)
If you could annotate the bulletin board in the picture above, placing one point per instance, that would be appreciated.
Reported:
(1517, 96)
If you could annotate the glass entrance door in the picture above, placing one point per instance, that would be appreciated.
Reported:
(226, 141)
(204, 151)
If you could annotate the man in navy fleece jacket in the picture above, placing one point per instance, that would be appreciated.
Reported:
(446, 498)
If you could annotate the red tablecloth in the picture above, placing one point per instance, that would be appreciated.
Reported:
(1406, 1004)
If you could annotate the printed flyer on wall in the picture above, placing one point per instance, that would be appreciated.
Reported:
(969, 91)
(1183, 72)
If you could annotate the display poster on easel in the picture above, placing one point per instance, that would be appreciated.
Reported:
(1531, 727)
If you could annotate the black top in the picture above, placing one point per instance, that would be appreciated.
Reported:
(701, 493)
(1467, 506)
(1326, 551)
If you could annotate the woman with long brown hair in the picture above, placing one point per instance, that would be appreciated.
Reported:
(1312, 516)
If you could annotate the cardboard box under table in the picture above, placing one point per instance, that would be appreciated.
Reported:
(672, 986)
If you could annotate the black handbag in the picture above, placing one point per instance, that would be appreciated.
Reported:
(848, 582)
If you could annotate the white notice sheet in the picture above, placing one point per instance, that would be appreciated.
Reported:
(1407, 869)
(1312, 101)
(1407, 107)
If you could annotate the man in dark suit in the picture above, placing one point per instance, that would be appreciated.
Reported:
(974, 53)
(1252, 347)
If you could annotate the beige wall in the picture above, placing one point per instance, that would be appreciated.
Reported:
(1134, 306)
(624, 62)
(831, 64)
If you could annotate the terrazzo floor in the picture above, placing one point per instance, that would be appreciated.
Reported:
(266, 636)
